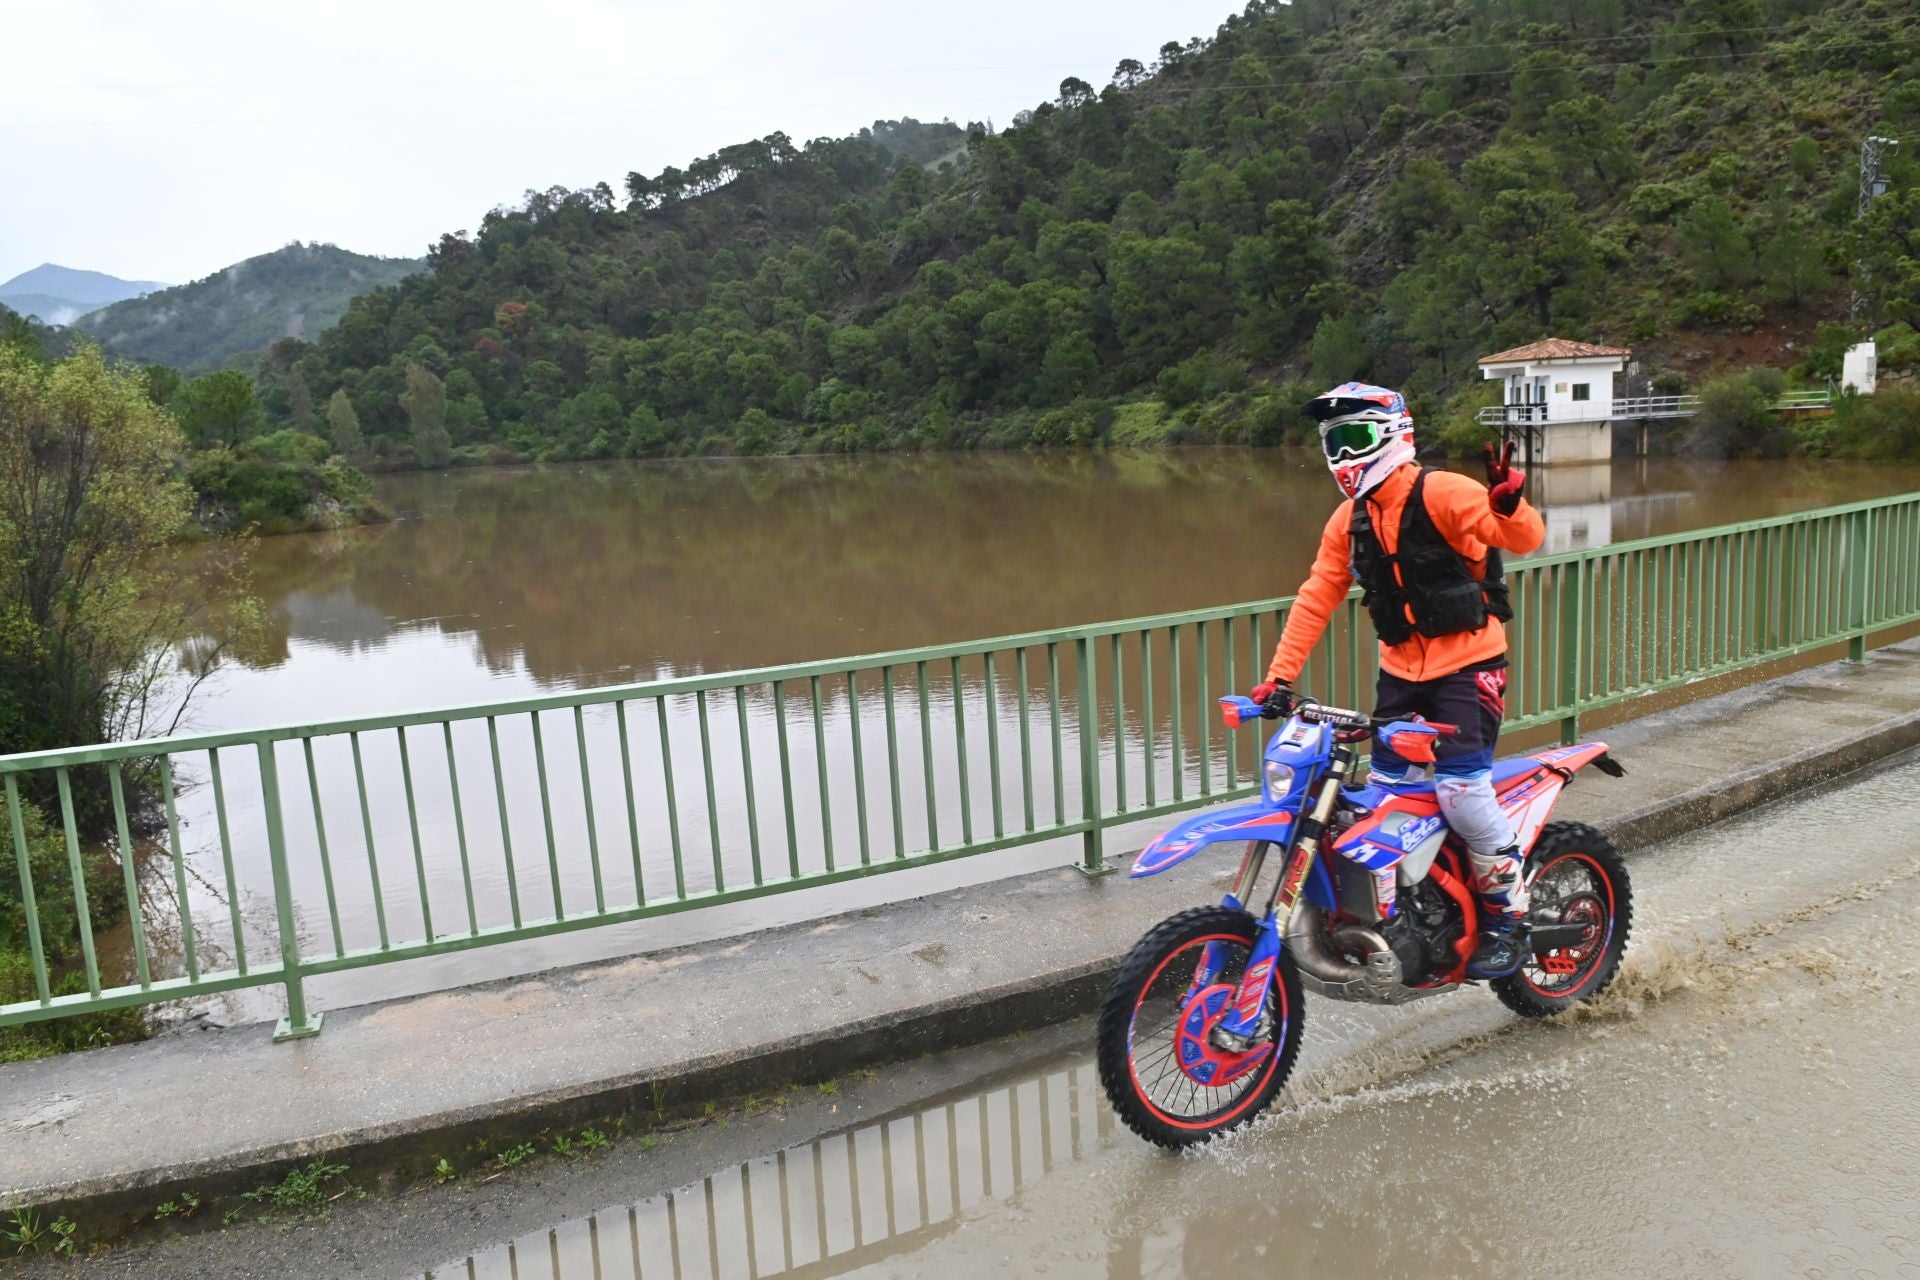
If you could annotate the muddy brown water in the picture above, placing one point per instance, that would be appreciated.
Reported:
(497, 584)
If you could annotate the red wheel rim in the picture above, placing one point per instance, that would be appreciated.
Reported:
(1591, 954)
(1163, 1063)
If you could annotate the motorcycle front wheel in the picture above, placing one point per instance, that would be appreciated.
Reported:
(1170, 1079)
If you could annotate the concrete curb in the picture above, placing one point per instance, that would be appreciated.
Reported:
(406, 1148)
(1760, 785)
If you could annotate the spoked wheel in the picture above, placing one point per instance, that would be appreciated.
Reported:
(1576, 877)
(1171, 1078)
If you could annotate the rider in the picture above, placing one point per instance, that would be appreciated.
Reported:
(1422, 543)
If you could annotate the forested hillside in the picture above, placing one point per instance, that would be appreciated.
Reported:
(295, 291)
(25, 331)
(1323, 190)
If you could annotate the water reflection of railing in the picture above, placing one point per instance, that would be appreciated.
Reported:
(442, 831)
(854, 1198)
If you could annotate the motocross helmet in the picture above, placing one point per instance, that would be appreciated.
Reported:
(1365, 432)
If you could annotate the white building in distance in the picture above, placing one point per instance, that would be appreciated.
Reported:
(1562, 392)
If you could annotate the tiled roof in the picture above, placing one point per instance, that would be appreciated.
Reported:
(1553, 349)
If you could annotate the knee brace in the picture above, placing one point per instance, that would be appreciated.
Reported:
(1471, 810)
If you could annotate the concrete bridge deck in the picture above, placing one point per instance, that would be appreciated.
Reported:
(113, 1131)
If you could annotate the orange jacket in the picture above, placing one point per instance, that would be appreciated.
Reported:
(1460, 512)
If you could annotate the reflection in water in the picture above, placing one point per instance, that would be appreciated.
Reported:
(1577, 502)
(854, 1198)
(612, 572)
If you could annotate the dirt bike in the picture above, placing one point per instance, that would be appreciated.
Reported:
(1373, 902)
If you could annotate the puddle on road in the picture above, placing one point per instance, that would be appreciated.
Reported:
(851, 1200)
(1758, 1089)
(1739, 1104)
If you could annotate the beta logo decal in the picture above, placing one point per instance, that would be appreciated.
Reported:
(1418, 830)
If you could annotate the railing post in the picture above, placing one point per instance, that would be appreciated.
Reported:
(1573, 646)
(1093, 857)
(1856, 567)
(297, 1024)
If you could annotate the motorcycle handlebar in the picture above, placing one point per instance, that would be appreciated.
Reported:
(1286, 702)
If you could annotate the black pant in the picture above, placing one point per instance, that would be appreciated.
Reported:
(1474, 700)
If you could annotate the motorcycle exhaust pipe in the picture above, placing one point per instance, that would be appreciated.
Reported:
(1307, 943)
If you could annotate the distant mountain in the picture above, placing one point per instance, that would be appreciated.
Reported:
(292, 292)
(60, 295)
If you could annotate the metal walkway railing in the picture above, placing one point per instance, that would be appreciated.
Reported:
(1634, 409)
(466, 827)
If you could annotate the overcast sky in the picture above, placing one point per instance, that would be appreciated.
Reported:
(162, 141)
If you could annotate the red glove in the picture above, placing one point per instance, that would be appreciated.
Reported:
(1263, 692)
(1503, 482)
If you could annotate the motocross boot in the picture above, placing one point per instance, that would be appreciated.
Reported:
(1503, 946)
(1500, 882)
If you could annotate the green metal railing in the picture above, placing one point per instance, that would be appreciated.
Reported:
(284, 854)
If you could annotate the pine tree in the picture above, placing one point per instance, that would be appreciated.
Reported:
(299, 401)
(1793, 263)
(425, 402)
(344, 424)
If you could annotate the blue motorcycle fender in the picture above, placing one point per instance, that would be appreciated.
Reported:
(1238, 824)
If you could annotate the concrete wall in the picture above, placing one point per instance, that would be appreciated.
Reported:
(1574, 442)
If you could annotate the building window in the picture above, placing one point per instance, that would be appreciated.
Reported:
(1583, 391)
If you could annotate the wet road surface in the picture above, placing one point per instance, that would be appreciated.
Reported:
(1740, 1104)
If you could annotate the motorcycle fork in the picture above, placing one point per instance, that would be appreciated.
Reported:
(1213, 956)
(1250, 997)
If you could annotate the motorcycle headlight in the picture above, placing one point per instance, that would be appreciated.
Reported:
(1279, 781)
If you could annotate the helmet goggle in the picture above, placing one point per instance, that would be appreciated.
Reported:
(1352, 438)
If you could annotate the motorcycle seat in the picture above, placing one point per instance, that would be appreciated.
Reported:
(1506, 773)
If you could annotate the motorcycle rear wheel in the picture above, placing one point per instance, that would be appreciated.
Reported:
(1575, 871)
(1147, 1010)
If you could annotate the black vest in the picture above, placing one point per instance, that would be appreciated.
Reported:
(1438, 585)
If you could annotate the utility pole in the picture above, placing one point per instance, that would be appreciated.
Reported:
(1873, 185)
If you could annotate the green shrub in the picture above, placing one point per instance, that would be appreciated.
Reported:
(1883, 427)
(1824, 359)
(249, 488)
(1140, 422)
(1202, 376)
(1271, 421)
(346, 485)
(287, 446)
(1075, 424)
(1653, 202)
(1707, 309)
(58, 919)
(1735, 420)
(54, 904)
(1898, 347)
